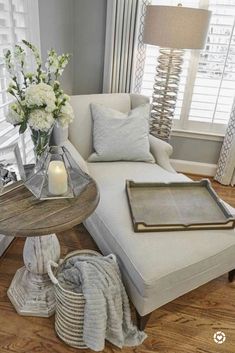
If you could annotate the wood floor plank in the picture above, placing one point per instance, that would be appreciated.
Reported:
(186, 325)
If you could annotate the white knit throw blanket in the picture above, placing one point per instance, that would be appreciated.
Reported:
(107, 311)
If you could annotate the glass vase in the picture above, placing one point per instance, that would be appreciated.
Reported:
(41, 142)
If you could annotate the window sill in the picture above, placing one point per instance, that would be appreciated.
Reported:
(197, 135)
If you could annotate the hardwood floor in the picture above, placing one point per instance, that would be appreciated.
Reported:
(186, 325)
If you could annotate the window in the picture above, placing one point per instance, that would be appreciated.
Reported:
(207, 85)
(18, 20)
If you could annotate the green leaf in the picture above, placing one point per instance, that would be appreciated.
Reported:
(23, 127)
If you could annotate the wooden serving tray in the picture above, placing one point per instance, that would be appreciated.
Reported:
(156, 207)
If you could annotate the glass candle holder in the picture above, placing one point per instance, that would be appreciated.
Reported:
(56, 176)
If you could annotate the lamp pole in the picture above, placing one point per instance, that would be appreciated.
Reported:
(165, 90)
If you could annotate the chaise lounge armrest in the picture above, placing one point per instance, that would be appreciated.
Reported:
(161, 151)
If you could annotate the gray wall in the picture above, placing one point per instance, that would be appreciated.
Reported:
(89, 45)
(57, 31)
(78, 27)
(195, 150)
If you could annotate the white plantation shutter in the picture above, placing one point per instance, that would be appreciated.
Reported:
(18, 20)
(207, 85)
(5, 129)
(214, 87)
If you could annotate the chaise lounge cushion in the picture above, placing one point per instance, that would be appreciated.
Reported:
(157, 267)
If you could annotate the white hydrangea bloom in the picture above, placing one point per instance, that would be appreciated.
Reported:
(39, 95)
(15, 114)
(66, 115)
(40, 119)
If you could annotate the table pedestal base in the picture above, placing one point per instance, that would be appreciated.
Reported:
(31, 296)
(31, 291)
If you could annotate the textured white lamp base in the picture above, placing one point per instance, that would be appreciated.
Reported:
(165, 91)
(31, 291)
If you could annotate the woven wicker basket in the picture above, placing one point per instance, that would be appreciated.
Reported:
(69, 316)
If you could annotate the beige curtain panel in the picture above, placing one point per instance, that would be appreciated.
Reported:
(121, 26)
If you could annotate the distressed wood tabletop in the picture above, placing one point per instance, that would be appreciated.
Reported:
(22, 215)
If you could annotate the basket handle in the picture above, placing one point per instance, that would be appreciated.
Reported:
(51, 264)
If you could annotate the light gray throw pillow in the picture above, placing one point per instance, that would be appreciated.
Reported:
(120, 137)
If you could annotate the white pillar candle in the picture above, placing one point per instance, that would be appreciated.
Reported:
(57, 178)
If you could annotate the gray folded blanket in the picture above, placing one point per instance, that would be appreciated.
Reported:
(107, 311)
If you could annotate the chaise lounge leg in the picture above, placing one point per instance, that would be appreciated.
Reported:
(231, 275)
(142, 321)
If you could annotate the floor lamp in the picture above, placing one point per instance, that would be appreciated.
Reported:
(173, 29)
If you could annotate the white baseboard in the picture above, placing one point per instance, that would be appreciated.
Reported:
(4, 243)
(190, 167)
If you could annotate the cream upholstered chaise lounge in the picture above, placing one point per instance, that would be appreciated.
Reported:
(156, 267)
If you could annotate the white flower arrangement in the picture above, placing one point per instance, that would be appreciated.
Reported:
(40, 120)
(66, 116)
(40, 95)
(15, 114)
(39, 99)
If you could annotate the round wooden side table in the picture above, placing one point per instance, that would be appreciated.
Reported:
(21, 215)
